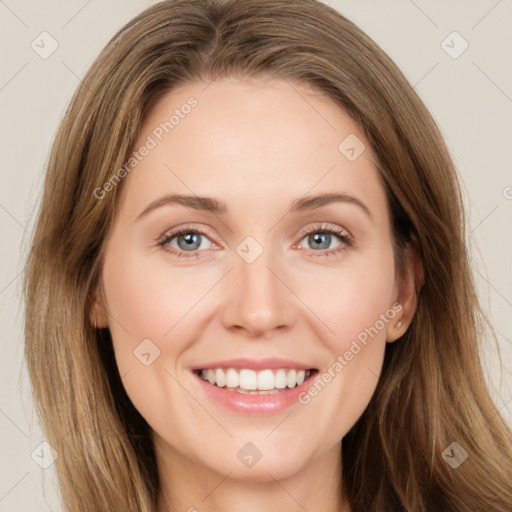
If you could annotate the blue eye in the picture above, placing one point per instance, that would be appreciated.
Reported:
(186, 240)
(190, 242)
(320, 240)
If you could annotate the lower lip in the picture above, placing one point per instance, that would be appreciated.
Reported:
(255, 404)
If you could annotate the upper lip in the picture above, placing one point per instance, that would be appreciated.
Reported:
(255, 364)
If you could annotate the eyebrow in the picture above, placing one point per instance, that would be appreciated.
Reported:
(213, 205)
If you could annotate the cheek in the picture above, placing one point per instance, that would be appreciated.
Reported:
(150, 308)
(353, 300)
(355, 304)
(148, 301)
(155, 314)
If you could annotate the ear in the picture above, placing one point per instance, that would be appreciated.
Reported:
(98, 315)
(407, 289)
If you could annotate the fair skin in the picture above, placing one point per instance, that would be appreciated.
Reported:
(257, 146)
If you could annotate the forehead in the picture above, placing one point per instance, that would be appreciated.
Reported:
(251, 141)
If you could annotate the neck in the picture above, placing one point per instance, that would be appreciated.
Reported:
(188, 486)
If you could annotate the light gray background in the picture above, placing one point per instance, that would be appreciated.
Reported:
(470, 98)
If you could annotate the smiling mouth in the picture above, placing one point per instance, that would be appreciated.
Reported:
(251, 382)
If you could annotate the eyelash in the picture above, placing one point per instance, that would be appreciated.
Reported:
(345, 238)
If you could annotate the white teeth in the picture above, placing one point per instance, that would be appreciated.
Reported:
(291, 379)
(220, 378)
(232, 379)
(248, 379)
(251, 382)
(280, 379)
(265, 380)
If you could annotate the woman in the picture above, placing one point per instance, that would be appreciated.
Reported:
(251, 256)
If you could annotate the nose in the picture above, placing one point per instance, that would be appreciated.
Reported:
(258, 298)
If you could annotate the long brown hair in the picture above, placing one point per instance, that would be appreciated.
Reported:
(432, 390)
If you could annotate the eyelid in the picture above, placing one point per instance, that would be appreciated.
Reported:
(324, 226)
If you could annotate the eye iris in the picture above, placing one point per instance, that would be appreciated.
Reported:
(192, 241)
(321, 240)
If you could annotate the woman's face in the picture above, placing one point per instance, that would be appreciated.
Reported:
(283, 271)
